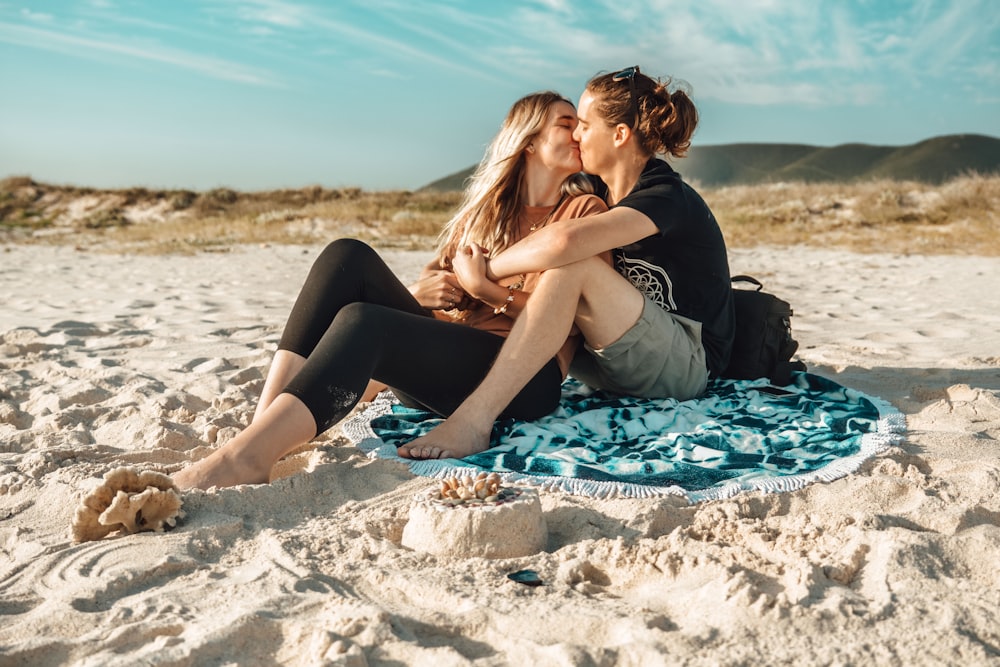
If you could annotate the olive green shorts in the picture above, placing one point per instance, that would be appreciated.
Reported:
(661, 356)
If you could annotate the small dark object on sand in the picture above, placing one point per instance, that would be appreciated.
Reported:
(526, 577)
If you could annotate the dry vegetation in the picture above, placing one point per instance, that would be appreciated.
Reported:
(957, 217)
(158, 221)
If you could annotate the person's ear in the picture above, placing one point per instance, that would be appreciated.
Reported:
(622, 134)
(530, 148)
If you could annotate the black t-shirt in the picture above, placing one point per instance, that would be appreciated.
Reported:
(684, 268)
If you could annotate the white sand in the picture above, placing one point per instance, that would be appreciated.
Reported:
(111, 360)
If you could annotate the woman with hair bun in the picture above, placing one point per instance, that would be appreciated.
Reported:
(431, 343)
(658, 323)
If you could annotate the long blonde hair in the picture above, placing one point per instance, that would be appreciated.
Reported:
(489, 209)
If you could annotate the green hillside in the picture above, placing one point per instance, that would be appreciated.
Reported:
(838, 163)
(931, 161)
(738, 163)
(937, 159)
(450, 183)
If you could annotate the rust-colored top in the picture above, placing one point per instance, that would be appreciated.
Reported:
(481, 315)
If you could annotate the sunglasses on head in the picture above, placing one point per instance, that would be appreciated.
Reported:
(629, 74)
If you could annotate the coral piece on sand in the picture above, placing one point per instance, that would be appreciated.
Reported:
(128, 500)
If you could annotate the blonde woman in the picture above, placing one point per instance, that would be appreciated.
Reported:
(432, 343)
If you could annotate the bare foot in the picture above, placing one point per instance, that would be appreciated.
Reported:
(450, 439)
(219, 469)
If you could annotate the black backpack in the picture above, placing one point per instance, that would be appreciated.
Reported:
(763, 346)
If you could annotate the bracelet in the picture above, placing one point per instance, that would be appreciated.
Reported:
(502, 310)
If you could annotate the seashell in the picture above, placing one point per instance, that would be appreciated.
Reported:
(485, 488)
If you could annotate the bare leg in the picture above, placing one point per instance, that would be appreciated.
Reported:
(601, 302)
(372, 390)
(249, 457)
(283, 368)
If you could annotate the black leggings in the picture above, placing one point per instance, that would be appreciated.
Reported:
(354, 320)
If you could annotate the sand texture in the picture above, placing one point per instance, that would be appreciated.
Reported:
(150, 361)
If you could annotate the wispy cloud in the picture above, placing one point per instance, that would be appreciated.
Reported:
(396, 47)
(488, 45)
(52, 40)
(274, 12)
(38, 17)
(320, 21)
(765, 51)
(555, 5)
(936, 42)
(414, 22)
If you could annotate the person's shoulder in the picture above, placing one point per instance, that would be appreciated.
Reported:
(588, 200)
(582, 205)
(659, 172)
(658, 182)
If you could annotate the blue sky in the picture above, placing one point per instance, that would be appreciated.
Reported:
(387, 94)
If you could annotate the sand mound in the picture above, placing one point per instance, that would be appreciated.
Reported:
(476, 518)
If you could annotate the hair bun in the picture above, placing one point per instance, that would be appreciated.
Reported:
(667, 116)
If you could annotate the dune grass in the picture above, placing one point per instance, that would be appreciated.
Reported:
(957, 217)
(385, 219)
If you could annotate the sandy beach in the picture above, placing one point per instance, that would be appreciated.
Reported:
(109, 360)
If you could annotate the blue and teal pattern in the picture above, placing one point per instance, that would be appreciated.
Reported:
(740, 436)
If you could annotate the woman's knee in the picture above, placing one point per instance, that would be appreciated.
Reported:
(361, 315)
(577, 272)
(345, 251)
(340, 258)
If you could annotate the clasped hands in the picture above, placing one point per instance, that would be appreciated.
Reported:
(441, 289)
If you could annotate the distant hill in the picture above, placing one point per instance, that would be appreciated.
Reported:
(930, 161)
